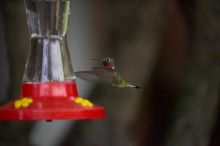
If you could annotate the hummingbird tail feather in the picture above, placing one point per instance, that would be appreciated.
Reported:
(138, 87)
(134, 86)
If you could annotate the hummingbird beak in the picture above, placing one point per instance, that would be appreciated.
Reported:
(94, 59)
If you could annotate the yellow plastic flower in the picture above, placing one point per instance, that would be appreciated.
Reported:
(79, 100)
(83, 102)
(26, 99)
(17, 104)
(23, 102)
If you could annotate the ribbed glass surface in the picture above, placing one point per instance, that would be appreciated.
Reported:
(49, 58)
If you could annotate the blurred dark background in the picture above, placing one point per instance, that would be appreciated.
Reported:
(170, 48)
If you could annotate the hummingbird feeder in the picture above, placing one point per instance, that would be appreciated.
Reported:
(48, 91)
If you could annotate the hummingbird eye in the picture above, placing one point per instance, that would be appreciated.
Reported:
(107, 59)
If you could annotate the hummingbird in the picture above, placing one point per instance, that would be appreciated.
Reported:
(107, 73)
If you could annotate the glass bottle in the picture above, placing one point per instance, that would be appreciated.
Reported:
(49, 59)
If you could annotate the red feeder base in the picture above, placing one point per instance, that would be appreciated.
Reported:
(49, 101)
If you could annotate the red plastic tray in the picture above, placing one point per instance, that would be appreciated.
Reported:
(51, 101)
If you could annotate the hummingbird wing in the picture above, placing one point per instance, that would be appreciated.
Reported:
(106, 74)
(87, 75)
(98, 74)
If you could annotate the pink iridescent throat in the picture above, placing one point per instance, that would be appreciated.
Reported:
(108, 65)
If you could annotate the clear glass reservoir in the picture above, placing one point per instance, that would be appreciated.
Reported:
(49, 59)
